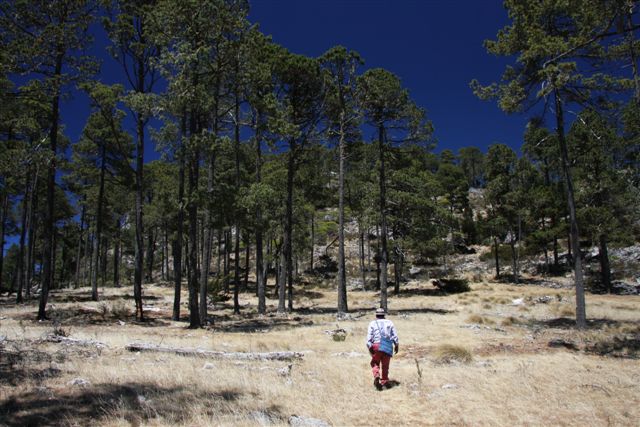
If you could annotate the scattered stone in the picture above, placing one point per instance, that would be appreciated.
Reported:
(262, 418)
(518, 301)
(414, 270)
(297, 421)
(141, 399)
(449, 386)
(337, 334)
(543, 299)
(349, 354)
(286, 371)
(208, 365)
(622, 288)
(121, 323)
(80, 382)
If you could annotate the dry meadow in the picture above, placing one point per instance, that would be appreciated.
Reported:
(497, 355)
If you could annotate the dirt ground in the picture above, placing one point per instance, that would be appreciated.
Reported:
(497, 355)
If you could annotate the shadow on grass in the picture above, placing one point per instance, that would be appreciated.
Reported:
(570, 323)
(17, 365)
(135, 402)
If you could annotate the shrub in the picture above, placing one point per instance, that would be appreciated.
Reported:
(504, 254)
(448, 353)
(452, 286)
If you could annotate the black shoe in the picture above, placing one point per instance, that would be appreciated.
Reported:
(376, 384)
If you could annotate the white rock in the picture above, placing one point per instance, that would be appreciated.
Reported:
(80, 382)
(449, 386)
(286, 371)
(518, 301)
(296, 421)
(208, 365)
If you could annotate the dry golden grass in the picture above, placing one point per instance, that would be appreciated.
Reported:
(513, 378)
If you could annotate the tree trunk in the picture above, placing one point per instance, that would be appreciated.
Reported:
(605, 269)
(514, 260)
(227, 247)
(208, 232)
(220, 253)
(496, 251)
(194, 166)
(342, 273)
(247, 254)
(260, 276)
(151, 252)
(23, 234)
(177, 243)
(3, 222)
(139, 228)
(377, 258)
(116, 255)
(165, 253)
(362, 269)
(49, 219)
(288, 228)
(98, 232)
(581, 317)
(384, 256)
(33, 227)
(80, 239)
(281, 290)
(313, 238)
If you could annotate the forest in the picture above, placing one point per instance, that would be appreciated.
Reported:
(285, 193)
(257, 143)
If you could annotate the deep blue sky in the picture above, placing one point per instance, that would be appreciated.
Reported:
(434, 46)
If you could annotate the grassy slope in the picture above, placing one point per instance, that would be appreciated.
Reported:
(515, 378)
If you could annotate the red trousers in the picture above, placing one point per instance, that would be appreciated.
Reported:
(377, 359)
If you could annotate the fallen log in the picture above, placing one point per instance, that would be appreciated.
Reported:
(210, 354)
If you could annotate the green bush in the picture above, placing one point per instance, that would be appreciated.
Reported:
(504, 254)
(452, 286)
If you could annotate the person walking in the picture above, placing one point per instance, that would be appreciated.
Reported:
(382, 342)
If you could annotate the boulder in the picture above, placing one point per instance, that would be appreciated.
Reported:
(297, 421)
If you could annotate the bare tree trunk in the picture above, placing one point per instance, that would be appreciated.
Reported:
(116, 255)
(496, 247)
(23, 233)
(342, 273)
(194, 168)
(281, 290)
(260, 276)
(605, 269)
(165, 253)
(220, 254)
(247, 254)
(98, 232)
(227, 247)
(177, 243)
(581, 317)
(3, 222)
(288, 228)
(362, 268)
(313, 238)
(208, 241)
(151, 252)
(49, 220)
(80, 239)
(384, 257)
(33, 227)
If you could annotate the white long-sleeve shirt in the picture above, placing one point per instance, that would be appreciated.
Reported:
(384, 326)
